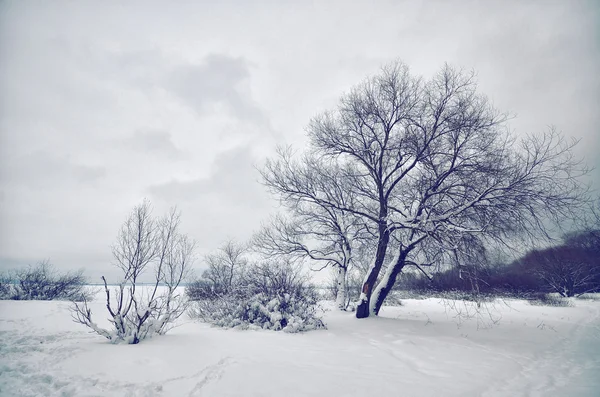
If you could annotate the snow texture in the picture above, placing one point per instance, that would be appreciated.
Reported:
(418, 349)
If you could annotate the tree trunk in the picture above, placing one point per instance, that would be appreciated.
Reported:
(570, 290)
(342, 291)
(385, 285)
(363, 309)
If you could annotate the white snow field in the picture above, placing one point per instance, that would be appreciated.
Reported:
(418, 349)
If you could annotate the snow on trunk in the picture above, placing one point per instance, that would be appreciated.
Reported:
(385, 282)
(363, 306)
(341, 296)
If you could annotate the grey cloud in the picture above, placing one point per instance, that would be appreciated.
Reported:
(545, 70)
(156, 142)
(130, 88)
(233, 179)
(44, 170)
(216, 81)
(229, 203)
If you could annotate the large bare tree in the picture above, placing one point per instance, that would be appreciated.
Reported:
(430, 162)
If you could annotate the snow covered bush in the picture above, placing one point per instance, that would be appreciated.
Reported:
(224, 273)
(43, 282)
(590, 297)
(270, 295)
(137, 312)
(541, 299)
(6, 285)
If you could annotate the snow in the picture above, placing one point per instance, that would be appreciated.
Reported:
(418, 349)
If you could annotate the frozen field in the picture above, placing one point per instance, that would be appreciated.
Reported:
(417, 349)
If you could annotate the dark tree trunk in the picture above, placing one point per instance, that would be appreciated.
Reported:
(362, 311)
(385, 290)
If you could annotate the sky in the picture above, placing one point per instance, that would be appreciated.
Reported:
(103, 104)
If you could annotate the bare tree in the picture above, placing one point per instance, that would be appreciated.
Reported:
(225, 268)
(144, 243)
(433, 161)
(568, 270)
(297, 240)
(314, 229)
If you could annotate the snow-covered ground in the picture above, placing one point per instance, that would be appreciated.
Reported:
(418, 349)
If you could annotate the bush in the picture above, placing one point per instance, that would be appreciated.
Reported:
(6, 285)
(43, 282)
(549, 300)
(269, 295)
(136, 312)
(225, 269)
(590, 297)
(201, 289)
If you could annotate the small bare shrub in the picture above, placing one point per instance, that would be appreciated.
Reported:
(43, 282)
(144, 243)
(225, 269)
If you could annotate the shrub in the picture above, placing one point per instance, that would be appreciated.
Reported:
(549, 300)
(135, 312)
(43, 282)
(6, 285)
(270, 295)
(201, 289)
(225, 269)
(590, 296)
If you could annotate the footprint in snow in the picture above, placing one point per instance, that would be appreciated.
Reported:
(209, 375)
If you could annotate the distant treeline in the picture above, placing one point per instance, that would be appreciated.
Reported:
(569, 269)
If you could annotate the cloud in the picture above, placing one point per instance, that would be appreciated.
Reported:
(216, 83)
(154, 142)
(233, 180)
(41, 169)
(228, 203)
(103, 104)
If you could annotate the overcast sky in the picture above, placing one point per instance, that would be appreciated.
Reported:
(104, 104)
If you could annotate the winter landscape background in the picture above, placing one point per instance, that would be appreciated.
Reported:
(332, 198)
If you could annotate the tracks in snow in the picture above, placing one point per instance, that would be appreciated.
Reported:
(208, 375)
(557, 368)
